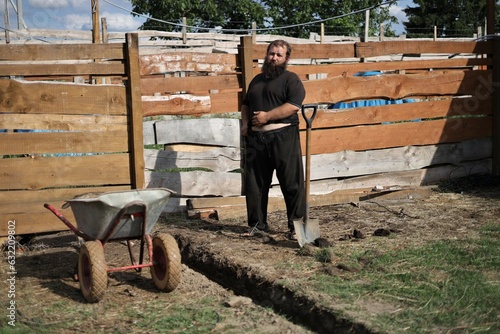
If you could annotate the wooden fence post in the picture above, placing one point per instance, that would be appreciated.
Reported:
(184, 30)
(245, 56)
(134, 106)
(496, 108)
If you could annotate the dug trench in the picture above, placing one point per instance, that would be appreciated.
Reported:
(246, 281)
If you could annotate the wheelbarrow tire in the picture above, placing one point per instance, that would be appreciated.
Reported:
(167, 267)
(92, 273)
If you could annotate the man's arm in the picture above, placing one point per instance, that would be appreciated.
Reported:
(245, 118)
(283, 111)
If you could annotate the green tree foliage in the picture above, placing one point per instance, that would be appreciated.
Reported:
(452, 18)
(267, 14)
(293, 12)
(228, 14)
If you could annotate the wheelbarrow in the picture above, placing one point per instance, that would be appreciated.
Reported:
(122, 216)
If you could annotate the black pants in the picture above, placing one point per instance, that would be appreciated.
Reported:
(276, 150)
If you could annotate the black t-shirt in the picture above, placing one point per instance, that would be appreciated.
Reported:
(265, 94)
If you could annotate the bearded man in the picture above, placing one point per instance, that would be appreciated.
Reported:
(271, 132)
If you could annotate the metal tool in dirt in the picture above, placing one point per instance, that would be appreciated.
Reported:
(307, 230)
(122, 216)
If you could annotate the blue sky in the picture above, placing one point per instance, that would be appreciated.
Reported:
(76, 14)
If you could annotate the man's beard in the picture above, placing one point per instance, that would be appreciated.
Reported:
(271, 70)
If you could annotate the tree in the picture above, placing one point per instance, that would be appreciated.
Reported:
(293, 12)
(227, 14)
(287, 17)
(452, 18)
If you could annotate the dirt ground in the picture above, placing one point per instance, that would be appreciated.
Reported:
(254, 280)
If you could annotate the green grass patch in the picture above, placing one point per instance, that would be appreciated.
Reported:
(192, 319)
(443, 286)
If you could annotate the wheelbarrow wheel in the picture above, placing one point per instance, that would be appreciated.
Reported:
(92, 271)
(167, 269)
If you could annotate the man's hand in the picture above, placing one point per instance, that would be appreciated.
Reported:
(244, 130)
(260, 118)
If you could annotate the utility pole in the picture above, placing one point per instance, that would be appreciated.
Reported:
(20, 19)
(7, 23)
(95, 21)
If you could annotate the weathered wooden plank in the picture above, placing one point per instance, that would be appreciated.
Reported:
(446, 107)
(375, 49)
(34, 143)
(188, 62)
(39, 52)
(14, 200)
(50, 172)
(92, 123)
(352, 163)
(28, 97)
(37, 222)
(220, 103)
(399, 134)
(17, 205)
(336, 69)
(191, 84)
(196, 183)
(62, 69)
(221, 159)
(176, 104)
(337, 89)
(312, 51)
(215, 131)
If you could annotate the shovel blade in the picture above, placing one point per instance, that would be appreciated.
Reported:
(307, 232)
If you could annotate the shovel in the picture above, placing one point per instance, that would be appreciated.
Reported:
(308, 229)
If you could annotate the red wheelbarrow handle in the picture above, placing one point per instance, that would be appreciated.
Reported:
(67, 223)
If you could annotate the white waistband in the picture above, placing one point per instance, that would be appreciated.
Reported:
(269, 127)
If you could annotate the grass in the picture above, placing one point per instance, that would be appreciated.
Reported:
(444, 286)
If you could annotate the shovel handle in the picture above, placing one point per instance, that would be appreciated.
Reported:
(309, 120)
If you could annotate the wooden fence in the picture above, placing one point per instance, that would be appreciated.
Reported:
(190, 104)
(63, 139)
(445, 132)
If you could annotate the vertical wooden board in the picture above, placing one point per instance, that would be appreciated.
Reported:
(246, 51)
(135, 111)
(496, 109)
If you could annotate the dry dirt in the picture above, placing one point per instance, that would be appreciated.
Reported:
(262, 268)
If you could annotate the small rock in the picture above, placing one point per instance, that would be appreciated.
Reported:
(322, 243)
(238, 301)
(358, 234)
(381, 232)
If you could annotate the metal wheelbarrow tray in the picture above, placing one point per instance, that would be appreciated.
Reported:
(123, 215)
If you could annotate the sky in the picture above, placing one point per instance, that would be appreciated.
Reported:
(76, 14)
